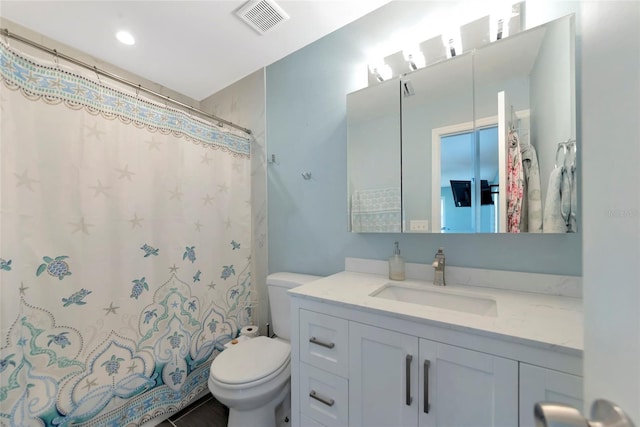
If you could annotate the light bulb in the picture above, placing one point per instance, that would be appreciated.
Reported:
(125, 37)
(414, 57)
(381, 70)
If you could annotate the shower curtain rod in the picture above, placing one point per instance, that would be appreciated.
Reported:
(119, 79)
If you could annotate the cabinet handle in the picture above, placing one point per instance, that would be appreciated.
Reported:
(426, 386)
(314, 340)
(325, 400)
(408, 380)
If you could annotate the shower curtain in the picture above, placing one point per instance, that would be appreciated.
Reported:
(125, 249)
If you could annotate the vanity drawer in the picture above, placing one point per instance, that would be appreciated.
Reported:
(324, 397)
(308, 422)
(324, 342)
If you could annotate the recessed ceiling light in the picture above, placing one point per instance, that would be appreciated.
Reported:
(125, 37)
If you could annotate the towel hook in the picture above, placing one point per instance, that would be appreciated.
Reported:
(515, 120)
(562, 146)
(306, 176)
(514, 138)
(571, 145)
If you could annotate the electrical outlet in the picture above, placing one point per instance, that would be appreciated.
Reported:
(419, 225)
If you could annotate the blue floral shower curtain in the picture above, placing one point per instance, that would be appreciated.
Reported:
(125, 249)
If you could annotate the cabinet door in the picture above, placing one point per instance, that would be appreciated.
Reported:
(466, 388)
(545, 385)
(380, 364)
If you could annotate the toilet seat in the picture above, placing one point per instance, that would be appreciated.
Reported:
(251, 362)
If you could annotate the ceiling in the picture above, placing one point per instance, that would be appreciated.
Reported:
(195, 48)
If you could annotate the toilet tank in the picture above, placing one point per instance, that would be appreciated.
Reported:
(277, 285)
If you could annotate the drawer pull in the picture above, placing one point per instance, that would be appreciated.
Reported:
(409, 399)
(427, 364)
(314, 340)
(325, 400)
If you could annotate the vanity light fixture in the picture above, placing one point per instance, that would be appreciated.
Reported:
(452, 42)
(378, 75)
(499, 21)
(452, 48)
(499, 27)
(125, 37)
(502, 15)
(414, 57)
(381, 71)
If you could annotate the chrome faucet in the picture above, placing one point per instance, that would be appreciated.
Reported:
(438, 265)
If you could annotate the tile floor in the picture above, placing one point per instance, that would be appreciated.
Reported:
(206, 412)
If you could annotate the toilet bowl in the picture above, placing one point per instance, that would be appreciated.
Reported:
(252, 378)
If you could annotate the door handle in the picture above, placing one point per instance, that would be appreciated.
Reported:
(426, 386)
(408, 360)
(603, 414)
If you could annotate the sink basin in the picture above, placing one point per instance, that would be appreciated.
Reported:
(440, 298)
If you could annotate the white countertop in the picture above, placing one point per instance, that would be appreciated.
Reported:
(523, 317)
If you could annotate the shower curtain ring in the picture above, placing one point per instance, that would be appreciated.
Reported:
(5, 33)
(95, 70)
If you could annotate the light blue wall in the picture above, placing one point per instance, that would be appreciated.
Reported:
(306, 130)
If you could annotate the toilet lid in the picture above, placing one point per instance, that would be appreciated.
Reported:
(250, 360)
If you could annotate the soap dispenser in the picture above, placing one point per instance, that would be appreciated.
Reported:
(396, 265)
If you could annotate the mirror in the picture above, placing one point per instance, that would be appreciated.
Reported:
(481, 138)
(442, 96)
(373, 159)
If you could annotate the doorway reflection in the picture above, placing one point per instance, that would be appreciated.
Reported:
(469, 175)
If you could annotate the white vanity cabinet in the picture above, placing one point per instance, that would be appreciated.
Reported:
(401, 380)
(356, 365)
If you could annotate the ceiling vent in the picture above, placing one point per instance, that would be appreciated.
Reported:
(262, 15)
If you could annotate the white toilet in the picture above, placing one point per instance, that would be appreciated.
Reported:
(252, 378)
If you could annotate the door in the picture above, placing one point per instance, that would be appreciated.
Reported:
(611, 218)
(469, 172)
(466, 388)
(383, 389)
